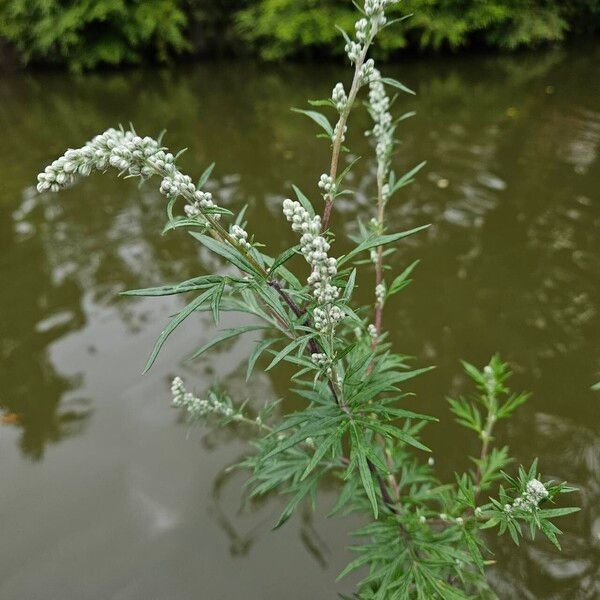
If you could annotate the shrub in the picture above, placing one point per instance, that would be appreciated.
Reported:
(424, 537)
(282, 28)
(90, 33)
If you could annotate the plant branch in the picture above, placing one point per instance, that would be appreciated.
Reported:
(339, 132)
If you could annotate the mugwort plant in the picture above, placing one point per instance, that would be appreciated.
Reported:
(423, 537)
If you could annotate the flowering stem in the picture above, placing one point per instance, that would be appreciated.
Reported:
(486, 437)
(339, 132)
(379, 258)
(239, 418)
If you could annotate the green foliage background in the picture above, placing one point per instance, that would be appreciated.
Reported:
(84, 34)
(88, 33)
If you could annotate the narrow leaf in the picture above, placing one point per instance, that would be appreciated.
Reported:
(225, 335)
(318, 118)
(173, 324)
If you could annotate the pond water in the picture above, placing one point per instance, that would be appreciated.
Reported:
(105, 493)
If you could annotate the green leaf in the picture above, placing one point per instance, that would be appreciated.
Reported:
(321, 450)
(551, 513)
(204, 177)
(293, 503)
(174, 323)
(179, 222)
(318, 118)
(191, 285)
(379, 240)
(300, 436)
(273, 301)
(283, 258)
(285, 274)
(327, 102)
(240, 217)
(406, 178)
(229, 253)
(401, 413)
(349, 286)
(511, 405)
(344, 34)
(358, 448)
(170, 205)
(348, 492)
(392, 431)
(216, 302)
(402, 280)
(225, 335)
(346, 171)
(397, 84)
(260, 348)
(289, 348)
(304, 201)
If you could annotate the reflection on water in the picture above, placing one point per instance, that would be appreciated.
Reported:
(128, 505)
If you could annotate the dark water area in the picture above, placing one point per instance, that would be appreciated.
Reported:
(105, 493)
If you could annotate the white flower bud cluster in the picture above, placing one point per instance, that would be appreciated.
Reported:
(319, 358)
(202, 200)
(95, 155)
(327, 317)
(383, 131)
(132, 154)
(314, 247)
(380, 293)
(372, 330)
(374, 9)
(178, 184)
(339, 97)
(336, 129)
(385, 191)
(198, 408)
(366, 28)
(367, 71)
(362, 30)
(535, 492)
(490, 380)
(327, 184)
(240, 235)
(353, 50)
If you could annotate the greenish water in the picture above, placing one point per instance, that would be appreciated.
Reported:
(106, 494)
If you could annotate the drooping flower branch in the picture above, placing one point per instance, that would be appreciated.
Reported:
(134, 156)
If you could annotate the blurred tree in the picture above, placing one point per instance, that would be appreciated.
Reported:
(87, 33)
(281, 28)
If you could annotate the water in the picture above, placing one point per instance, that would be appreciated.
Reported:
(106, 494)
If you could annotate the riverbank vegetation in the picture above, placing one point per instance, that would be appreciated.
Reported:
(85, 35)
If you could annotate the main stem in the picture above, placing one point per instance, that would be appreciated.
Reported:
(329, 200)
(486, 437)
(313, 346)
